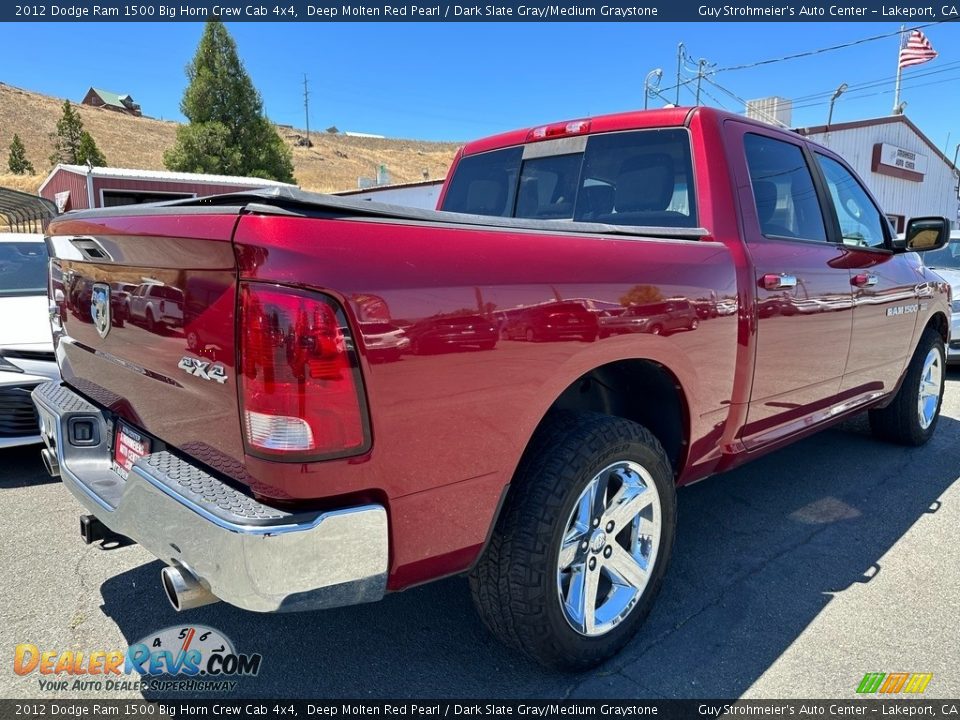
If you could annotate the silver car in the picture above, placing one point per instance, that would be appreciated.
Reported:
(946, 263)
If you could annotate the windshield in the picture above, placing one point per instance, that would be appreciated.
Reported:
(946, 257)
(23, 269)
(639, 178)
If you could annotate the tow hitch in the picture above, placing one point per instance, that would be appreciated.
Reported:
(92, 530)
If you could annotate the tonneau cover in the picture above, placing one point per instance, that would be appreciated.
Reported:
(293, 201)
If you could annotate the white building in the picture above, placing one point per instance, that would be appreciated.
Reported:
(772, 110)
(905, 171)
(423, 194)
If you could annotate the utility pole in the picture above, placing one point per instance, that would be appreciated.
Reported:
(679, 67)
(700, 66)
(306, 108)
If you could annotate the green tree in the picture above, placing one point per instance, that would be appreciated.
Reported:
(18, 162)
(228, 132)
(89, 153)
(71, 143)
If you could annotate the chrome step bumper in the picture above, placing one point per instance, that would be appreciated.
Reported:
(246, 553)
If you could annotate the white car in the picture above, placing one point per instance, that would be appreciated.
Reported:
(946, 263)
(26, 345)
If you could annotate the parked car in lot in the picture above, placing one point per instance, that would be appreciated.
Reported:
(156, 306)
(384, 341)
(291, 473)
(455, 331)
(553, 321)
(657, 318)
(26, 347)
(946, 263)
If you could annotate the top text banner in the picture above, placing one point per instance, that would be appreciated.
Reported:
(913, 13)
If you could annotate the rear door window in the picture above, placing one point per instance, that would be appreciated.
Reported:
(641, 177)
(783, 189)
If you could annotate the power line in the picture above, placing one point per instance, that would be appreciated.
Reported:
(819, 51)
(721, 88)
(938, 81)
(881, 81)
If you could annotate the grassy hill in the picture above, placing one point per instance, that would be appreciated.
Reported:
(333, 163)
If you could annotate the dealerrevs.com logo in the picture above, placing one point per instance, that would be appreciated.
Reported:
(192, 658)
(894, 683)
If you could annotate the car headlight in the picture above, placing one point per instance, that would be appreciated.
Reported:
(955, 306)
(7, 366)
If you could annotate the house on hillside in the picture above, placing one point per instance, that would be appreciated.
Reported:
(111, 101)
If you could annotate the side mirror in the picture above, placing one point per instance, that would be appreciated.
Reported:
(924, 233)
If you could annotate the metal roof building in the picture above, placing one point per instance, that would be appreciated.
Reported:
(907, 173)
(77, 187)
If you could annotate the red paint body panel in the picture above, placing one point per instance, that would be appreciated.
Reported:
(453, 404)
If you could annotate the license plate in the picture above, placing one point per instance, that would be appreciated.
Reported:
(128, 447)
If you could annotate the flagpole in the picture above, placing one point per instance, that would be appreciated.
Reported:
(896, 92)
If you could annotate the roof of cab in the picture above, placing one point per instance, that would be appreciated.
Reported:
(633, 120)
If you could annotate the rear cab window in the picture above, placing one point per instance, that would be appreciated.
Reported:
(639, 178)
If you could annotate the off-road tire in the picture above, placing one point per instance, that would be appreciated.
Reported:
(514, 583)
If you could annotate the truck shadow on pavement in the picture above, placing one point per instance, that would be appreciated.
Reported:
(760, 551)
(12, 462)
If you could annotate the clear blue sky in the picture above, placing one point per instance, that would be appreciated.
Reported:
(456, 81)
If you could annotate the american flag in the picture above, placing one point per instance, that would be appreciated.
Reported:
(915, 49)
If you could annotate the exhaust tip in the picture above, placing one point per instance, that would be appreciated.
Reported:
(184, 590)
(50, 462)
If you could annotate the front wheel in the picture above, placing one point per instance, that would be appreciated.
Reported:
(912, 416)
(580, 549)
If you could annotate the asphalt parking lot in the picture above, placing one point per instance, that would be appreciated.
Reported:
(792, 577)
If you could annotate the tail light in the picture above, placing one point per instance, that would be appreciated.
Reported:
(300, 384)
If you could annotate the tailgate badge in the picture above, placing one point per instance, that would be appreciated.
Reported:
(203, 369)
(100, 308)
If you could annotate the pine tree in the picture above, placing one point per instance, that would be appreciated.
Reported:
(228, 132)
(88, 153)
(18, 162)
(72, 144)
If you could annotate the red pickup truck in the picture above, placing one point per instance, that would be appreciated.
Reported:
(268, 462)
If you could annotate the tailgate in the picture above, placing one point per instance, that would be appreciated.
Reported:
(144, 325)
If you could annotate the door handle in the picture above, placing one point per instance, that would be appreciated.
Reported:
(864, 280)
(772, 281)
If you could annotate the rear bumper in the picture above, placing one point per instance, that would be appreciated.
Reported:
(248, 554)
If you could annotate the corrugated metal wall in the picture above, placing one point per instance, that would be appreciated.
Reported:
(935, 195)
(76, 184)
(161, 186)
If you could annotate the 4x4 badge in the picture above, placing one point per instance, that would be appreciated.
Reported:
(203, 369)
(100, 308)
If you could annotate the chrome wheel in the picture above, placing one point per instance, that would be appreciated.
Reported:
(609, 548)
(931, 383)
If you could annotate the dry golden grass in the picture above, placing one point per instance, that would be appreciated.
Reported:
(333, 163)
